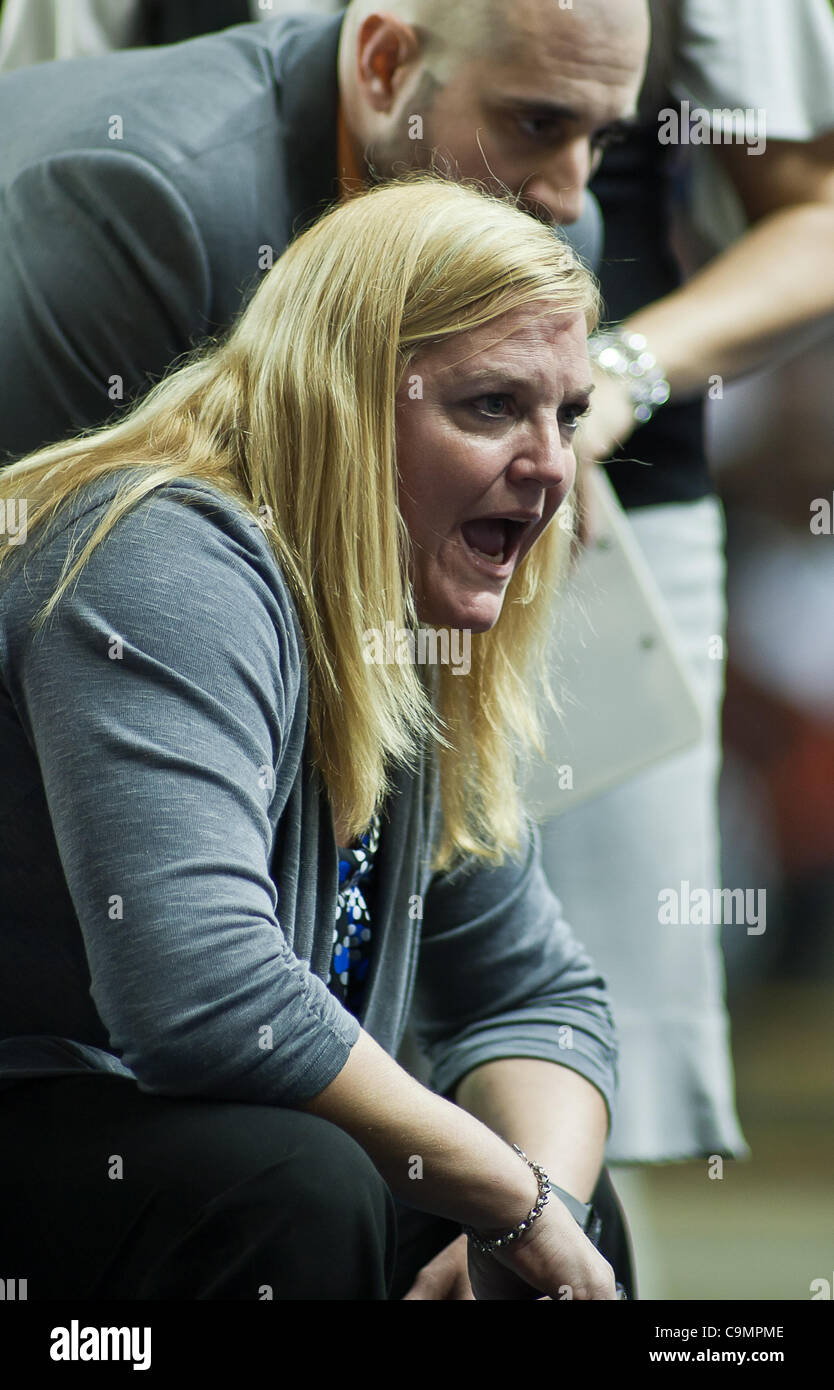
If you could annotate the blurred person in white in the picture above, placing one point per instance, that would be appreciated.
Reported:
(38, 31)
(770, 217)
(777, 805)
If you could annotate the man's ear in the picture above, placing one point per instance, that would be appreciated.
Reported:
(387, 51)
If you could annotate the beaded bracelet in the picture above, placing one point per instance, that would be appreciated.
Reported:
(626, 356)
(485, 1246)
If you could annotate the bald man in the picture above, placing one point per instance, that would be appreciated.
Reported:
(145, 192)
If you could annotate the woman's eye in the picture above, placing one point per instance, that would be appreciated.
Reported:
(493, 402)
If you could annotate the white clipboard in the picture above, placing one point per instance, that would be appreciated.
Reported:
(616, 668)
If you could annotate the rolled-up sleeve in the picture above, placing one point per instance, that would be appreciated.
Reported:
(502, 975)
(158, 700)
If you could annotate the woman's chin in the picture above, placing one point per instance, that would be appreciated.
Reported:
(474, 613)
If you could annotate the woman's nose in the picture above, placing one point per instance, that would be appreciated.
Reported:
(547, 457)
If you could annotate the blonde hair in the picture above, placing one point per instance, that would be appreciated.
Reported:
(292, 415)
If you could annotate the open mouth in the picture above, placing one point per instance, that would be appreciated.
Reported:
(494, 540)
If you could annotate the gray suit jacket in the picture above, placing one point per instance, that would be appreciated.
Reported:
(137, 191)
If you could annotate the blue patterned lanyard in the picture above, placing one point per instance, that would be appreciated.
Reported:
(352, 930)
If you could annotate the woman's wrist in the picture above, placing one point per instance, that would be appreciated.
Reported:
(487, 1241)
(512, 1206)
(626, 355)
(467, 1172)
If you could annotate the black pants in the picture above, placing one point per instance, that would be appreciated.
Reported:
(109, 1193)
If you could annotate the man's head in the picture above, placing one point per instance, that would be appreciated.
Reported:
(521, 96)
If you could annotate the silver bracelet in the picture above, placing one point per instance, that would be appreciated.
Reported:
(484, 1246)
(627, 357)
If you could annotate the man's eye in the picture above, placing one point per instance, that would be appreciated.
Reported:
(604, 139)
(536, 126)
(492, 410)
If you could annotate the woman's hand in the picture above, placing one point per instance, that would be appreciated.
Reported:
(553, 1260)
(610, 424)
(554, 1257)
(446, 1276)
(587, 524)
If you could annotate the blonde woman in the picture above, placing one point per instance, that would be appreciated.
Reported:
(233, 827)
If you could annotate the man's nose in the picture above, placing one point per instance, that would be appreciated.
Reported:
(560, 188)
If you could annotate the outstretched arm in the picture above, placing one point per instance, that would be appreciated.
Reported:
(748, 304)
